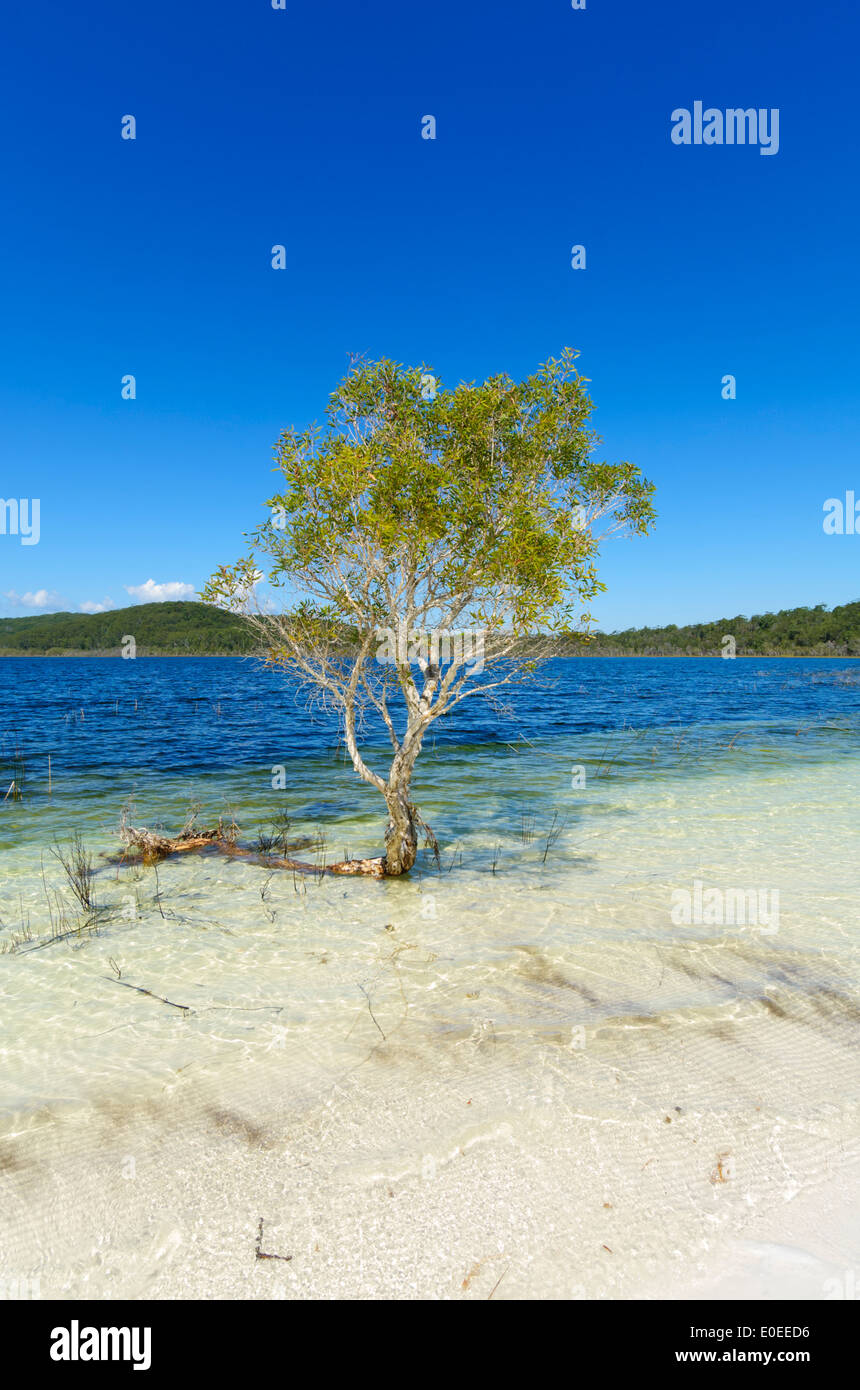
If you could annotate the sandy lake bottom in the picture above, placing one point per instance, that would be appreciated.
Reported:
(521, 1074)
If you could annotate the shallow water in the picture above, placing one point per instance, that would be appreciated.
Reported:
(539, 964)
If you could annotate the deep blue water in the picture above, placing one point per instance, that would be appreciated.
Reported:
(165, 715)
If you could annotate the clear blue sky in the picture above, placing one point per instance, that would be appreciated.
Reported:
(303, 127)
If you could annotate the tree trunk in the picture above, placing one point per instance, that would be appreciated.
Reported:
(401, 837)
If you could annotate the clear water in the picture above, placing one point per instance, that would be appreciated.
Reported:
(539, 965)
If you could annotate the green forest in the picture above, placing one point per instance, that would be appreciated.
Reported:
(817, 631)
(199, 629)
(159, 629)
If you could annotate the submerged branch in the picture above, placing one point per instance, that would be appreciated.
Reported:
(154, 847)
(152, 995)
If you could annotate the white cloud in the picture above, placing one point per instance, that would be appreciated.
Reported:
(92, 607)
(40, 599)
(150, 592)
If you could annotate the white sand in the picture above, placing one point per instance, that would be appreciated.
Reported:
(575, 1096)
(656, 1161)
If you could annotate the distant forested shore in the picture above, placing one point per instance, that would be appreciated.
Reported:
(817, 631)
(199, 629)
(180, 628)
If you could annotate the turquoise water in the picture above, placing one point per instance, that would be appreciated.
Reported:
(539, 963)
(566, 829)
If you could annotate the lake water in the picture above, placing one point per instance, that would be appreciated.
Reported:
(548, 954)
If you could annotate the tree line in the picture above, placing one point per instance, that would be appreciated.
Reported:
(198, 629)
(181, 628)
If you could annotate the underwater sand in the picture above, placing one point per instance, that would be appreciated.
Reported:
(515, 1076)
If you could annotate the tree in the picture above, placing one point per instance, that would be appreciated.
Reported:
(433, 538)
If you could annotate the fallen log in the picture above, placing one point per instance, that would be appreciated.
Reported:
(154, 847)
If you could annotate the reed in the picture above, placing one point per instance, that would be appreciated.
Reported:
(18, 938)
(553, 834)
(15, 770)
(77, 865)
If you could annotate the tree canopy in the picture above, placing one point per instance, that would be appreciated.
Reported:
(421, 509)
(480, 501)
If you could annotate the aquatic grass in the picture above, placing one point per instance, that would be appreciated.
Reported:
(553, 834)
(19, 938)
(16, 770)
(77, 865)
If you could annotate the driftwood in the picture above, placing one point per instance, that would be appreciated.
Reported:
(155, 847)
(374, 867)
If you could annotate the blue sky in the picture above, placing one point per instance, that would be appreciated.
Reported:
(302, 127)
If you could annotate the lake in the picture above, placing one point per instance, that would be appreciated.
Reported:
(641, 936)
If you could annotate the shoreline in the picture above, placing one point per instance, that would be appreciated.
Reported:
(517, 1074)
(116, 655)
